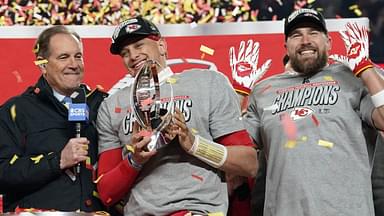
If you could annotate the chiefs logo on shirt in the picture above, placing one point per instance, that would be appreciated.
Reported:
(300, 113)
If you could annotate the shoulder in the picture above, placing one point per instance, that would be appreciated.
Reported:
(203, 75)
(97, 93)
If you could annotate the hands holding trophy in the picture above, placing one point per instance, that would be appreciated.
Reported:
(146, 106)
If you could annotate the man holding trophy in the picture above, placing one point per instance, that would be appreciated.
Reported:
(165, 139)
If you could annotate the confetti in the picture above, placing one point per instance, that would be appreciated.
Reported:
(13, 112)
(14, 158)
(289, 126)
(207, 50)
(40, 62)
(193, 25)
(37, 159)
(290, 144)
(325, 144)
(328, 78)
(171, 80)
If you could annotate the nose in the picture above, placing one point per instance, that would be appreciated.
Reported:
(74, 62)
(305, 39)
(133, 55)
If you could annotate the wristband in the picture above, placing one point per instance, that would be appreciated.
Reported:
(241, 89)
(362, 66)
(132, 162)
(378, 99)
(208, 151)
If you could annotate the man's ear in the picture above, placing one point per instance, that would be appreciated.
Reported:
(329, 42)
(163, 47)
(41, 63)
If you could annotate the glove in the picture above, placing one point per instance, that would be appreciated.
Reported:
(244, 68)
(357, 45)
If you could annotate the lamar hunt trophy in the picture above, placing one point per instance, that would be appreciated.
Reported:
(146, 100)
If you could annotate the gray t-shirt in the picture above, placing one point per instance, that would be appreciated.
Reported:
(318, 162)
(173, 180)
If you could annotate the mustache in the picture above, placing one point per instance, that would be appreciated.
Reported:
(306, 47)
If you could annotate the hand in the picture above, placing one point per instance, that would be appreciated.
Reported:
(356, 42)
(186, 138)
(140, 155)
(75, 151)
(244, 68)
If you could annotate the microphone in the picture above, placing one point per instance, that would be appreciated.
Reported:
(78, 112)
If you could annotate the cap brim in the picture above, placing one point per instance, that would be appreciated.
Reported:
(122, 41)
(304, 19)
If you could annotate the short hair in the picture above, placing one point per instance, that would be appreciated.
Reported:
(41, 47)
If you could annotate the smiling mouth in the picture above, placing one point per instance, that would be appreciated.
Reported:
(72, 73)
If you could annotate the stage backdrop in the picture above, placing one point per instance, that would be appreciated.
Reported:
(189, 45)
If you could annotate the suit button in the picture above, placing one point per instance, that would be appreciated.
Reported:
(88, 202)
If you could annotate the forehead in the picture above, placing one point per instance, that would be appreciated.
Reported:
(62, 43)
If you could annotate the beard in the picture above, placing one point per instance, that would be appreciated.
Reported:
(309, 66)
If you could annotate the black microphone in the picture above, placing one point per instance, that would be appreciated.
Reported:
(78, 112)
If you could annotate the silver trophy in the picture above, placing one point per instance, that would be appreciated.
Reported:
(146, 104)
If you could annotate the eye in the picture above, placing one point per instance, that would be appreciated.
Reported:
(79, 56)
(315, 32)
(295, 35)
(63, 57)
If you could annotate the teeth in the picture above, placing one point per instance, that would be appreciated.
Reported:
(307, 52)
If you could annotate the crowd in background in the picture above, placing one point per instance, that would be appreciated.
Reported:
(111, 12)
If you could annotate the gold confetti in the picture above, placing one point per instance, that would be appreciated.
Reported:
(130, 148)
(13, 112)
(290, 144)
(37, 158)
(207, 50)
(40, 62)
(325, 144)
(14, 158)
(216, 214)
(171, 80)
(328, 78)
(95, 194)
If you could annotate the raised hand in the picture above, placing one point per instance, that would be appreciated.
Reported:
(356, 42)
(244, 66)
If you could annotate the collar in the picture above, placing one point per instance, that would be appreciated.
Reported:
(58, 96)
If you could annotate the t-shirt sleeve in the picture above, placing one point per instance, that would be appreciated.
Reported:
(252, 120)
(108, 137)
(225, 110)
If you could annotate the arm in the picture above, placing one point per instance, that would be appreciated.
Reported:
(116, 174)
(19, 171)
(240, 157)
(356, 42)
(375, 85)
